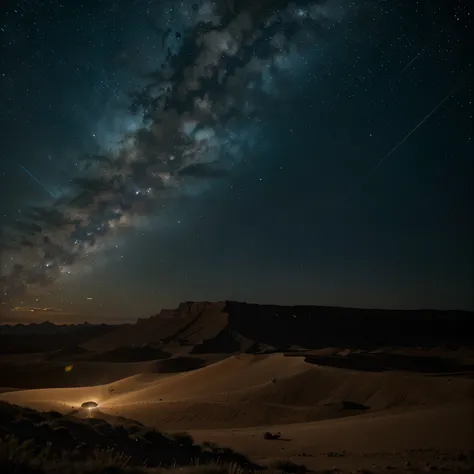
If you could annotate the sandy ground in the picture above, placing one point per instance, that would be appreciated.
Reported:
(424, 438)
(416, 422)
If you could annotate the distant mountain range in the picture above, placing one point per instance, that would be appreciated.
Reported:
(46, 327)
(233, 327)
(40, 337)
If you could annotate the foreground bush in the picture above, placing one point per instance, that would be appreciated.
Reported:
(33, 442)
(26, 458)
(54, 435)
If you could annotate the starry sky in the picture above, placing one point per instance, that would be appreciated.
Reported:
(305, 152)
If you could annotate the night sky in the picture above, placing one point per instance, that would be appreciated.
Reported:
(308, 152)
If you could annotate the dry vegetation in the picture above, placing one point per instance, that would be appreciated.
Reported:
(32, 442)
(48, 442)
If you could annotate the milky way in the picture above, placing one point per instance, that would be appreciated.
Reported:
(191, 124)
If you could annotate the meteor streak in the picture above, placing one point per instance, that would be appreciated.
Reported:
(40, 183)
(422, 50)
(402, 141)
(415, 128)
(412, 61)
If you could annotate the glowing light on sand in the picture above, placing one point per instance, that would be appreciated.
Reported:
(90, 405)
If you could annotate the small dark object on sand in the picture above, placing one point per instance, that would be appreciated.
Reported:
(268, 435)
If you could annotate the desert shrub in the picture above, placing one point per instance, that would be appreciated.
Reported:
(184, 439)
(16, 457)
(7, 412)
(99, 461)
(27, 458)
(269, 436)
(78, 440)
(30, 458)
(96, 421)
(210, 468)
(134, 429)
(210, 446)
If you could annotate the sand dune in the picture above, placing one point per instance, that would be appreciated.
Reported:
(251, 390)
(426, 439)
(230, 374)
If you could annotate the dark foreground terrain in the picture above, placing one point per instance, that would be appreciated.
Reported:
(32, 441)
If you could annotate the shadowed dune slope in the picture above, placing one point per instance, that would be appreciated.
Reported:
(68, 374)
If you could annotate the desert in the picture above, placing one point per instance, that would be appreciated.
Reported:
(281, 399)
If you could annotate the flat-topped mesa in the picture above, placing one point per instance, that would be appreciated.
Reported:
(188, 324)
(189, 307)
(230, 326)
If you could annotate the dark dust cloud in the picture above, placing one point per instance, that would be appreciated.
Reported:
(271, 151)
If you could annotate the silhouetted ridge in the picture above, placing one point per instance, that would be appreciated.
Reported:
(21, 338)
(231, 327)
(323, 326)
